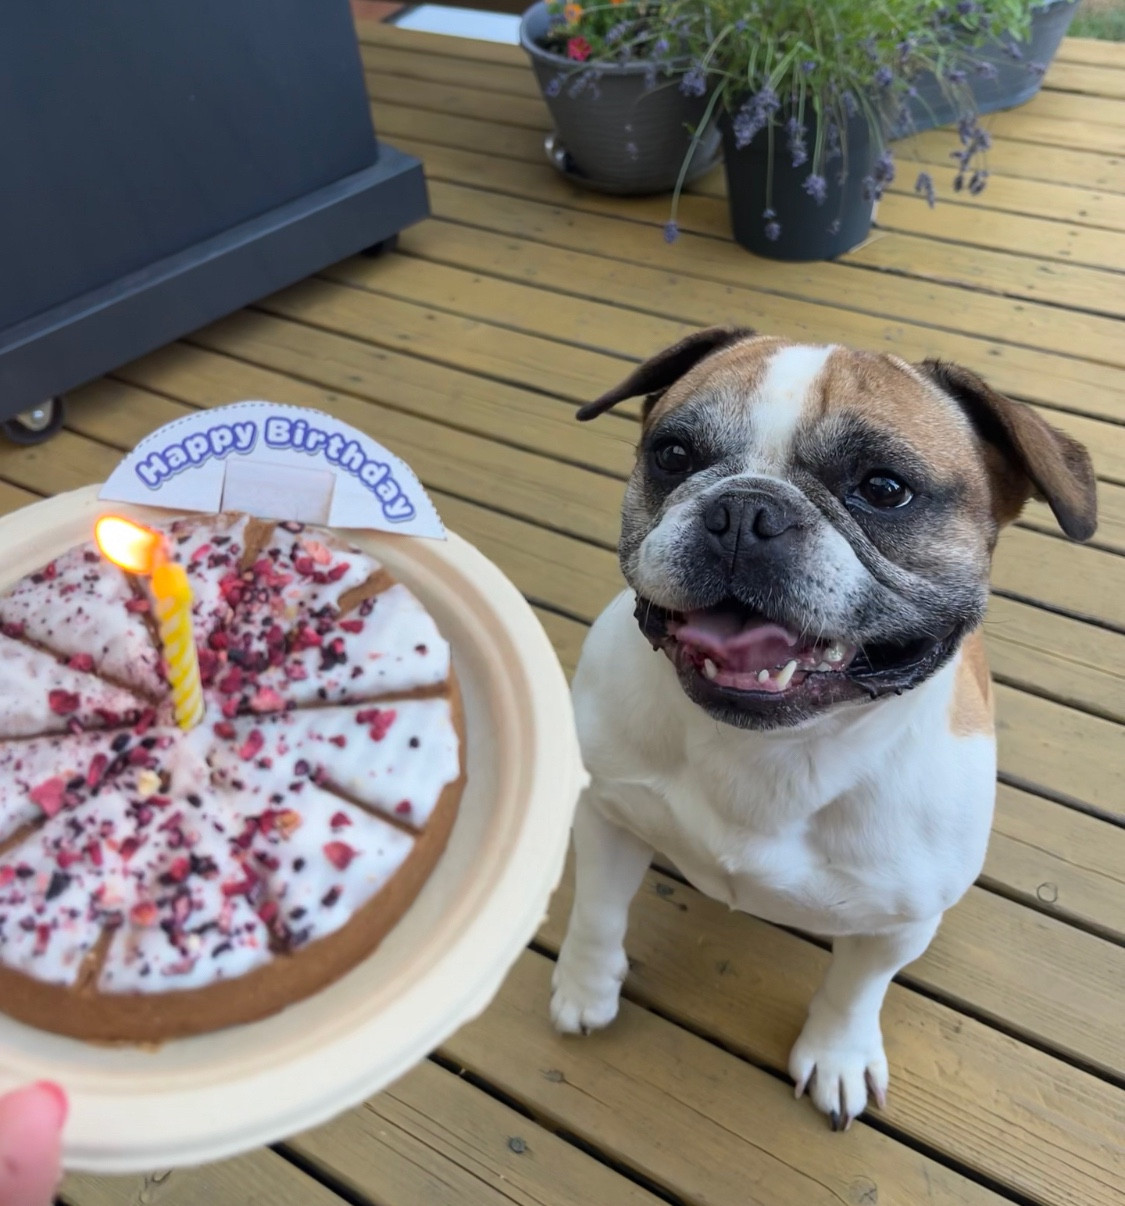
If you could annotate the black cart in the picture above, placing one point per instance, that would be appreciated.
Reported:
(164, 162)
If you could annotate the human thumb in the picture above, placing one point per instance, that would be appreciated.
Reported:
(31, 1122)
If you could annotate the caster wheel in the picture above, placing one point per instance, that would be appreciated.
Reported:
(378, 249)
(35, 425)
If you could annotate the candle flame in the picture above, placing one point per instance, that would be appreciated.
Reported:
(133, 547)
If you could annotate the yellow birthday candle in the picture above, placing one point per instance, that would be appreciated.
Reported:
(140, 550)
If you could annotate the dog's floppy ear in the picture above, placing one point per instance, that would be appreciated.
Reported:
(1035, 458)
(662, 370)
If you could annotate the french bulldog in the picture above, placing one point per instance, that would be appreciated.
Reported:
(806, 537)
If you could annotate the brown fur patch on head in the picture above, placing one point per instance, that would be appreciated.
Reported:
(893, 395)
(971, 709)
(735, 371)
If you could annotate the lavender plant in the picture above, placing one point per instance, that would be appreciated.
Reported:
(800, 71)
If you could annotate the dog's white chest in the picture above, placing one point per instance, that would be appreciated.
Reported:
(878, 821)
(792, 872)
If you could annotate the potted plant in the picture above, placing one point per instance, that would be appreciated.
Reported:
(806, 92)
(609, 73)
(1009, 44)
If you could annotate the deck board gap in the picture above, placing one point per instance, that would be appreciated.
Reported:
(1041, 692)
(1082, 617)
(998, 888)
(625, 1171)
(316, 1173)
(1065, 801)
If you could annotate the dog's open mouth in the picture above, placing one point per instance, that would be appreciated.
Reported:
(743, 651)
(735, 650)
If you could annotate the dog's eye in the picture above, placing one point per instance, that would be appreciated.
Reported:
(884, 490)
(672, 456)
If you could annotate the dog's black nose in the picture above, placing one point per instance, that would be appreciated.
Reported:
(736, 520)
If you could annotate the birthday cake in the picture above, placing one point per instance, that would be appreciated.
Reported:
(157, 881)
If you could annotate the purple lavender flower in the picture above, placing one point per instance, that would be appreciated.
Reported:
(631, 150)
(660, 47)
(808, 66)
(978, 182)
(834, 226)
(798, 151)
(816, 187)
(694, 81)
(1013, 51)
(768, 101)
(671, 232)
(1039, 70)
(741, 25)
(773, 231)
(851, 105)
(884, 169)
(746, 125)
(870, 188)
(966, 8)
(884, 77)
(958, 182)
(754, 116)
(554, 86)
(924, 185)
(768, 215)
(650, 78)
(831, 142)
(956, 76)
(986, 70)
(616, 32)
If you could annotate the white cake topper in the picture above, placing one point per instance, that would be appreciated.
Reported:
(276, 462)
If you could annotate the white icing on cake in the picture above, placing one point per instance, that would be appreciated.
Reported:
(80, 604)
(396, 758)
(210, 554)
(290, 642)
(189, 858)
(42, 694)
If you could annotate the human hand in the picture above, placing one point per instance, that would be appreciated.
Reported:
(31, 1123)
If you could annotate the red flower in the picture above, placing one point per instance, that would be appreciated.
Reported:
(578, 48)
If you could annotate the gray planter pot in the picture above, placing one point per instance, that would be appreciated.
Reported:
(1014, 82)
(614, 134)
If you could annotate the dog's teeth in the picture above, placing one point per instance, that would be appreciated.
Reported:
(709, 668)
(824, 666)
(834, 653)
(784, 677)
(763, 676)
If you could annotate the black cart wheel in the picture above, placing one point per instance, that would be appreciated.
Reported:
(35, 425)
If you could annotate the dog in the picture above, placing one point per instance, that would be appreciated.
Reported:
(806, 536)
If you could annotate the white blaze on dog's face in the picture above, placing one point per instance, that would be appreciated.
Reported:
(808, 526)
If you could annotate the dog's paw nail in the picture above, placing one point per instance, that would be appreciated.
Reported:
(834, 1119)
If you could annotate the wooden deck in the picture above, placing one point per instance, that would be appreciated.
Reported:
(467, 352)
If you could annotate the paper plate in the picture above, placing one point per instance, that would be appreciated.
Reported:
(206, 1098)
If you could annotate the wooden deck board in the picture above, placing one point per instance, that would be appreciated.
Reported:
(467, 352)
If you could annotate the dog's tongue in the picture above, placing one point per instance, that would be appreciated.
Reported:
(737, 642)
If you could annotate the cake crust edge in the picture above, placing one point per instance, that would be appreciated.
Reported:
(152, 1018)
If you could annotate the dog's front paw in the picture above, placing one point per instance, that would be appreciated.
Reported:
(585, 991)
(838, 1059)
